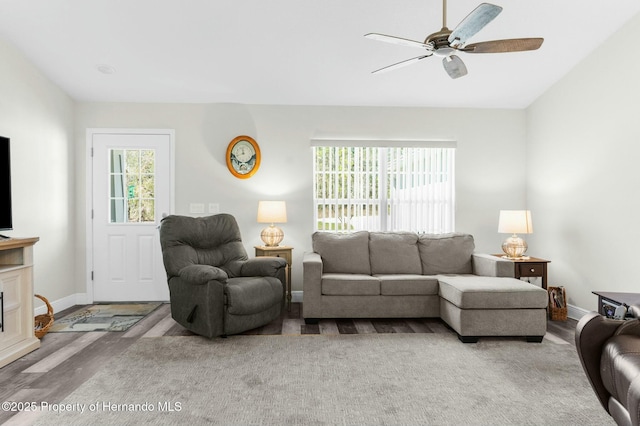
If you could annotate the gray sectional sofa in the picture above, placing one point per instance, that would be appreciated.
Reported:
(407, 275)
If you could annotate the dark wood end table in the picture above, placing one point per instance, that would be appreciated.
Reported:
(529, 267)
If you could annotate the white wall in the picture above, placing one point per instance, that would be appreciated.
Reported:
(490, 172)
(38, 117)
(583, 174)
(571, 158)
(48, 133)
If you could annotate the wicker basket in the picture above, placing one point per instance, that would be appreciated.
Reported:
(557, 303)
(43, 322)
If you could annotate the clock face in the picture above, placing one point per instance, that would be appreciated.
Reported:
(243, 152)
(243, 157)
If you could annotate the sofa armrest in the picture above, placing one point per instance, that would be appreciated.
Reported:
(311, 285)
(492, 266)
(202, 274)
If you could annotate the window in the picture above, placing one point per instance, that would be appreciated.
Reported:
(380, 188)
(132, 185)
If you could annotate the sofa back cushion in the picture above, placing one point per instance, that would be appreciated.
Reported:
(394, 253)
(446, 253)
(343, 253)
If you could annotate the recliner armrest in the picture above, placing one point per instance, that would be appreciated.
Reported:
(592, 331)
(263, 267)
(202, 274)
(199, 307)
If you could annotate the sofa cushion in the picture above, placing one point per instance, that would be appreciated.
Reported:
(474, 292)
(394, 253)
(350, 285)
(343, 253)
(446, 253)
(407, 285)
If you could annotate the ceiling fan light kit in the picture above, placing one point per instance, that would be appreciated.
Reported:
(454, 66)
(445, 42)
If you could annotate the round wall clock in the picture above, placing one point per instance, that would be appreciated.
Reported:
(243, 157)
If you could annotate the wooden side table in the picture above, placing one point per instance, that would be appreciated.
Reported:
(284, 252)
(530, 267)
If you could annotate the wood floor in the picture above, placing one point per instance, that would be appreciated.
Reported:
(66, 360)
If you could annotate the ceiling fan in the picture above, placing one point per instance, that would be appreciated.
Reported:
(445, 42)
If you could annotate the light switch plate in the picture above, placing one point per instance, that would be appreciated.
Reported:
(196, 208)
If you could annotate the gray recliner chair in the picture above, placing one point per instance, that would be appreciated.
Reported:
(609, 350)
(215, 289)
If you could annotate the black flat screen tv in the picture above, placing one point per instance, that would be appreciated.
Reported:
(6, 222)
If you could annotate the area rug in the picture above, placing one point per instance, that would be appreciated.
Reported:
(104, 317)
(384, 379)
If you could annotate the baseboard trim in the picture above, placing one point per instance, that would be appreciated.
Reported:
(62, 304)
(575, 312)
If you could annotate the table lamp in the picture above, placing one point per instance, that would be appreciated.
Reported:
(272, 212)
(515, 222)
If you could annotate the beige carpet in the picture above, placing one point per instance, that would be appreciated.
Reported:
(406, 379)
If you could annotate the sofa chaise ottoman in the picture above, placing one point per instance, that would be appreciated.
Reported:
(407, 275)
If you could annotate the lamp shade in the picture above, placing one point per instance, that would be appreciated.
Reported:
(515, 222)
(272, 212)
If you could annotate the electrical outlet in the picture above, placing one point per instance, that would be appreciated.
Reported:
(214, 208)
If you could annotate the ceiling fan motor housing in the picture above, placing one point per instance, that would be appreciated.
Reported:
(440, 42)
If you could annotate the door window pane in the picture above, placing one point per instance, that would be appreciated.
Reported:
(132, 185)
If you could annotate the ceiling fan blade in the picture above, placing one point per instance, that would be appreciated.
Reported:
(400, 64)
(503, 46)
(398, 40)
(454, 66)
(473, 23)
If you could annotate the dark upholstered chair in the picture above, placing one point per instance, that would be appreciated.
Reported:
(610, 354)
(215, 289)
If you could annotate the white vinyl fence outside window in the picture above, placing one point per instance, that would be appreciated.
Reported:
(379, 188)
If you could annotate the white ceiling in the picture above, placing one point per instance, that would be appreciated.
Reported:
(298, 52)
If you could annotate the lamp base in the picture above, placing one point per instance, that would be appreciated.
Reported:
(515, 258)
(514, 247)
(272, 236)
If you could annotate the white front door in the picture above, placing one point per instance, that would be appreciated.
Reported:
(131, 191)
